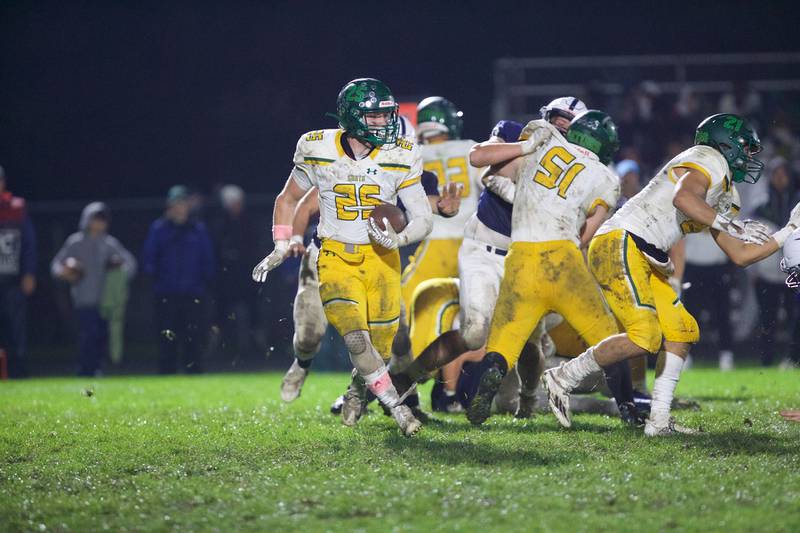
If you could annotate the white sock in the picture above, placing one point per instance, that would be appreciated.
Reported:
(449, 393)
(664, 386)
(382, 387)
(572, 373)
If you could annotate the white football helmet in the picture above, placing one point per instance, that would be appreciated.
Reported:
(790, 264)
(566, 106)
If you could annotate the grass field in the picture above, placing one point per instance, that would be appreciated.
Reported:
(223, 453)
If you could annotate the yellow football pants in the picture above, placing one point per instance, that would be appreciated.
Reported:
(360, 290)
(640, 297)
(541, 277)
(435, 258)
(434, 308)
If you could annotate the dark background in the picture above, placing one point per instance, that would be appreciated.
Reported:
(120, 99)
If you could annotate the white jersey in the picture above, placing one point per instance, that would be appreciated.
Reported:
(650, 213)
(557, 185)
(349, 190)
(449, 160)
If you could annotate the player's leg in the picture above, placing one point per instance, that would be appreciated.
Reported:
(518, 310)
(680, 332)
(623, 274)
(382, 282)
(309, 326)
(530, 367)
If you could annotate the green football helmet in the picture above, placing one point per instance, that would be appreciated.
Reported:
(368, 96)
(437, 115)
(737, 141)
(595, 131)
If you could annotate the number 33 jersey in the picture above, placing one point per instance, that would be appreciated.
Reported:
(449, 160)
(348, 189)
(557, 185)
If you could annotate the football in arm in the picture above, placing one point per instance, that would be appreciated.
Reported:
(392, 213)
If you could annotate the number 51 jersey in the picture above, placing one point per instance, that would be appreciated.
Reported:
(348, 189)
(557, 186)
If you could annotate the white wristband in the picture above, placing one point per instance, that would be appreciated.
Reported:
(782, 234)
(296, 239)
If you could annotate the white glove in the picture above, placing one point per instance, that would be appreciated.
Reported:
(388, 238)
(502, 187)
(755, 231)
(747, 230)
(273, 260)
(538, 137)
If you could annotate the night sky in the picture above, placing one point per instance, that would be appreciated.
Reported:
(114, 99)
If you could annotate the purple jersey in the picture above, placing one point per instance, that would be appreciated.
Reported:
(493, 211)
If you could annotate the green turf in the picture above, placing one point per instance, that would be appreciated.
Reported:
(222, 452)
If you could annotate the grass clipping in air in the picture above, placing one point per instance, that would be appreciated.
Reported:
(222, 452)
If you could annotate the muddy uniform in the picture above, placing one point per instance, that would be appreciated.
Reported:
(624, 250)
(557, 186)
(437, 256)
(359, 282)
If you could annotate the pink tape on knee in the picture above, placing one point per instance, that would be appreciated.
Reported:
(380, 385)
(281, 232)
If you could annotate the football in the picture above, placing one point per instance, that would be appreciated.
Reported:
(393, 214)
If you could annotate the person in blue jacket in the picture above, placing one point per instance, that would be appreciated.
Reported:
(179, 257)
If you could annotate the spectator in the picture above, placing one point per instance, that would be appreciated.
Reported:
(17, 276)
(774, 301)
(237, 249)
(708, 271)
(178, 255)
(629, 175)
(84, 261)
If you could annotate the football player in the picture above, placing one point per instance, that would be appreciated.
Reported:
(446, 154)
(308, 314)
(564, 190)
(628, 257)
(360, 165)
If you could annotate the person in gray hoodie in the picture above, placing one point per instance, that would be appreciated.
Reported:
(83, 262)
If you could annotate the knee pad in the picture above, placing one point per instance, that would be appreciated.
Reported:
(356, 342)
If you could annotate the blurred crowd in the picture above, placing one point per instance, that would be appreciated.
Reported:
(199, 264)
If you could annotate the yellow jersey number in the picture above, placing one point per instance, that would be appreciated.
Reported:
(454, 169)
(352, 200)
(552, 174)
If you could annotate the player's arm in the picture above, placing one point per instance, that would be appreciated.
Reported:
(420, 220)
(282, 215)
(491, 152)
(593, 222)
(690, 196)
(448, 202)
(306, 208)
(744, 253)
(690, 199)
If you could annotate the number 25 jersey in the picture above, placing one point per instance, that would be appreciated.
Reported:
(348, 189)
(557, 185)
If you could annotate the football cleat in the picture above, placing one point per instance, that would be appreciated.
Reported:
(292, 383)
(666, 426)
(494, 369)
(355, 401)
(557, 398)
(630, 415)
(405, 419)
(336, 406)
(642, 401)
